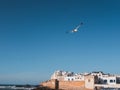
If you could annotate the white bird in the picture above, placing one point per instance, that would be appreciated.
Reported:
(76, 29)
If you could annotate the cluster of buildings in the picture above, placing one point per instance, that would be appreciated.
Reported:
(75, 81)
(67, 76)
(101, 78)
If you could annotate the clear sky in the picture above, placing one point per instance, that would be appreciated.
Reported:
(33, 42)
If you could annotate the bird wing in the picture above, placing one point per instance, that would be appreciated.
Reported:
(72, 31)
(79, 25)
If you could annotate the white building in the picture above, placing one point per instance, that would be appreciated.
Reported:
(110, 80)
(76, 77)
(105, 78)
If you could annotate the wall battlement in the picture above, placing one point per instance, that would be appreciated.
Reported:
(65, 85)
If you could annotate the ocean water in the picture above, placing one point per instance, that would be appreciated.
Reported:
(13, 89)
(9, 89)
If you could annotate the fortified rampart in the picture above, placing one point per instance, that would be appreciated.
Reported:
(50, 84)
(88, 84)
(64, 85)
(71, 85)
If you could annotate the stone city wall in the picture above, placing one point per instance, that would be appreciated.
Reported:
(71, 85)
(49, 84)
(65, 85)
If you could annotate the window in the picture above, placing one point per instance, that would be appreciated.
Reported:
(88, 80)
(111, 81)
(105, 81)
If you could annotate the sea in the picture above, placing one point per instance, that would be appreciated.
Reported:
(9, 89)
(13, 89)
(17, 87)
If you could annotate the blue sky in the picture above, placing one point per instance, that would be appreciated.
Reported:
(33, 42)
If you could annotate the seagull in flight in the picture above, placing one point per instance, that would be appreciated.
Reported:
(76, 29)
